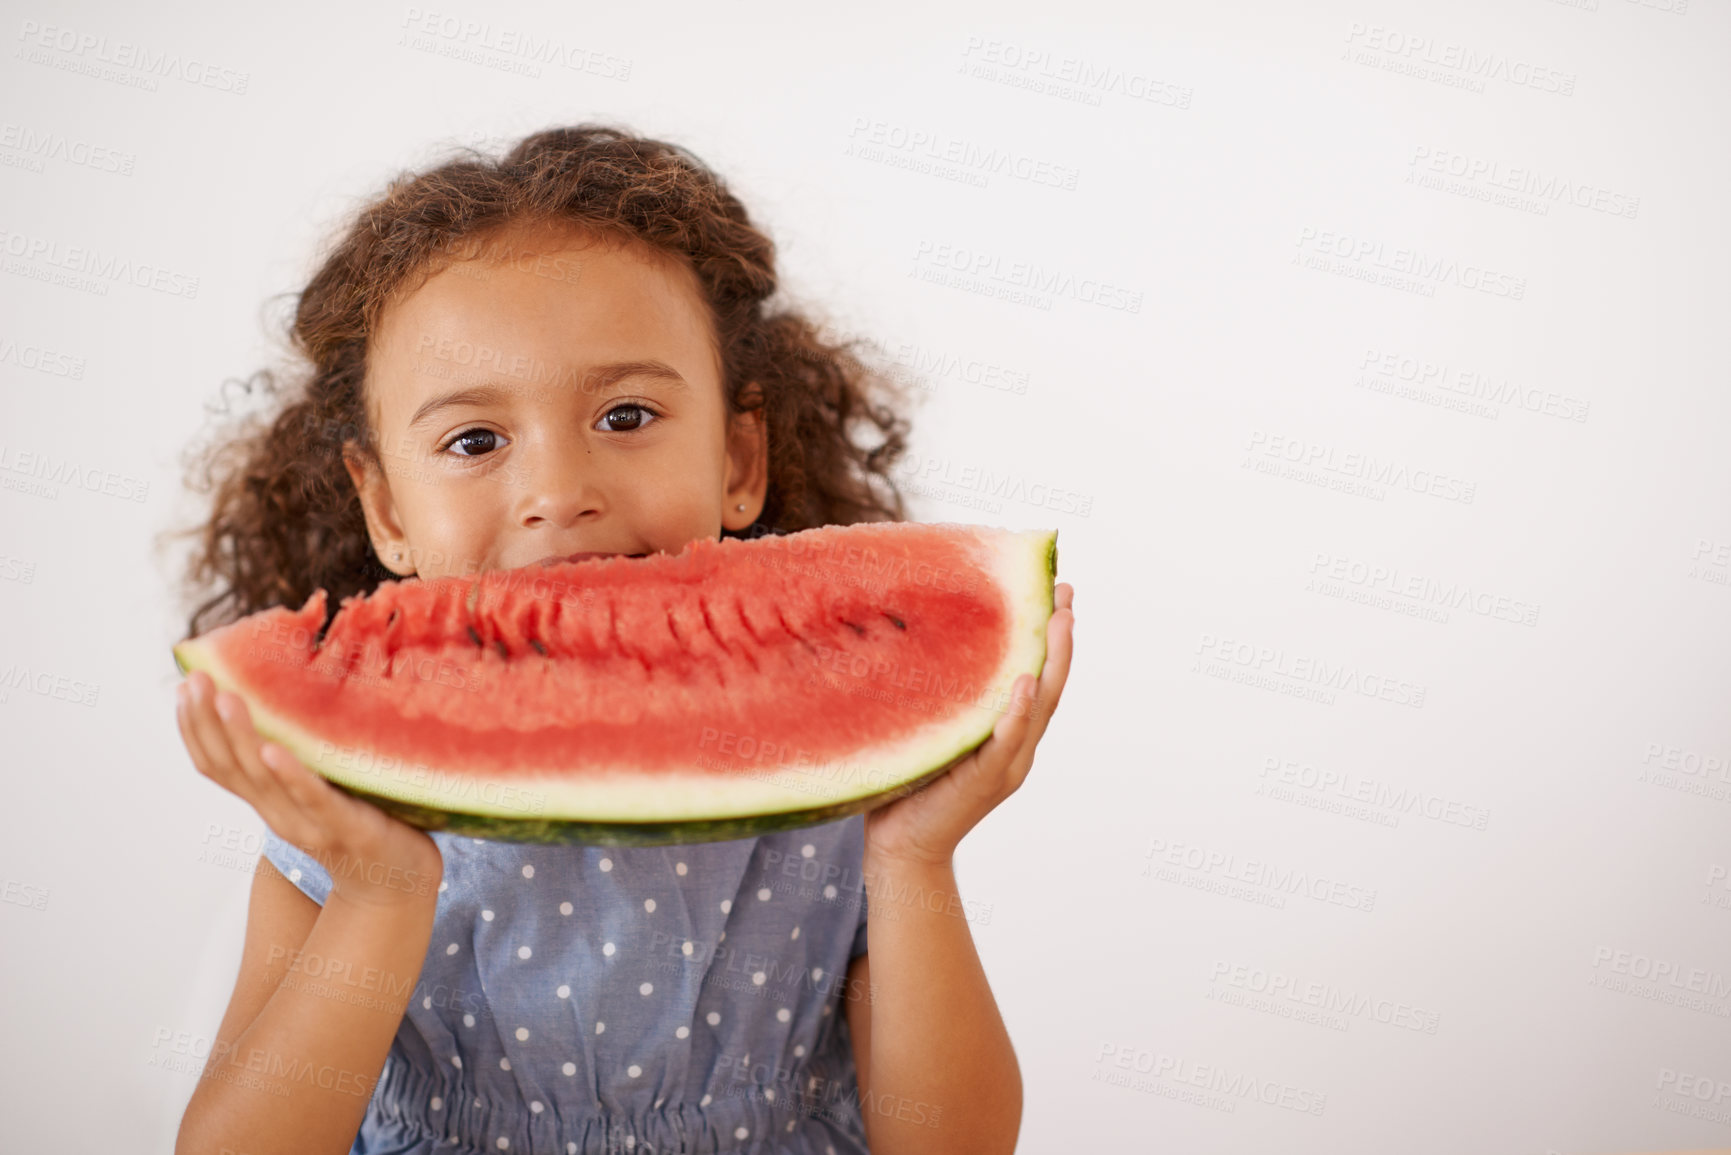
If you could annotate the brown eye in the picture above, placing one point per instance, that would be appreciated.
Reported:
(626, 418)
(474, 442)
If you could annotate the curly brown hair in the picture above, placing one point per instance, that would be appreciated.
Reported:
(286, 519)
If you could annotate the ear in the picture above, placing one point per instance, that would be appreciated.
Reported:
(383, 529)
(747, 463)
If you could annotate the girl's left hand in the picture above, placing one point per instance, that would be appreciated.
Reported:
(924, 827)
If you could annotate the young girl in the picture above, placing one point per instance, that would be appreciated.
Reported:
(562, 352)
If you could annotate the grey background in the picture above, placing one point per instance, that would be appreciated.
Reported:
(1266, 512)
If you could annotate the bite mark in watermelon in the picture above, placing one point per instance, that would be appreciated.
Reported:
(733, 689)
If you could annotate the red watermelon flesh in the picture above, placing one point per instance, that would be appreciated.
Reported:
(733, 688)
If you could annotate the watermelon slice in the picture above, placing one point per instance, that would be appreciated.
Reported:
(730, 690)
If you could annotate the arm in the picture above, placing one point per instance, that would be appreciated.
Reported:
(303, 1037)
(300, 1046)
(927, 1035)
(937, 1072)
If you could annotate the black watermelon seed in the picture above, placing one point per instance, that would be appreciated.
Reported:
(503, 652)
(897, 622)
(854, 626)
(473, 636)
(539, 648)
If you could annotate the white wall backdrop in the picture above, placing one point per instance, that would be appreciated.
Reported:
(1368, 357)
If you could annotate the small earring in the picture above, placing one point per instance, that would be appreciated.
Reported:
(740, 508)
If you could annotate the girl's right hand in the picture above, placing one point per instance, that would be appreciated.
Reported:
(372, 858)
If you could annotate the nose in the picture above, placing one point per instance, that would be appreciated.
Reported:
(558, 487)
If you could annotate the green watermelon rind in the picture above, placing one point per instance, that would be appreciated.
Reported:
(939, 754)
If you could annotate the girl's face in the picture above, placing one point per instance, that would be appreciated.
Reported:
(560, 394)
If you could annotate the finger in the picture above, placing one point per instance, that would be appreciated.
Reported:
(1060, 639)
(1064, 597)
(270, 799)
(188, 736)
(213, 738)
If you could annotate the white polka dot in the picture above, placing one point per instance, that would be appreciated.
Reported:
(427, 1003)
(829, 891)
(757, 979)
(443, 886)
(826, 1008)
(795, 933)
(606, 864)
(504, 1064)
(634, 1070)
(607, 949)
(569, 1068)
(564, 991)
(682, 1032)
(812, 1086)
(687, 948)
(571, 1148)
(799, 1051)
(726, 905)
(763, 893)
(703, 1102)
(437, 1104)
(537, 1106)
(295, 874)
(523, 952)
(714, 1019)
(477, 842)
(722, 937)
(816, 974)
(679, 868)
(769, 1094)
(741, 1132)
(790, 1126)
(599, 1027)
(522, 1034)
(784, 1014)
(807, 850)
(528, 871)
(649, 905)
(646, 988)
(828, 1150)
(487, 915)
(631, 1140)
(452, 949)
(468, 1020)
(457, 1062)
(502, 1143)
(565, 908)
(658, 1103)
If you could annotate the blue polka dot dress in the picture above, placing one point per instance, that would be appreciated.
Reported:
(586, 999)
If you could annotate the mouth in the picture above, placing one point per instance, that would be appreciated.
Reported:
(576, 557)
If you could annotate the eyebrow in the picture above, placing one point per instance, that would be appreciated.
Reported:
(597, 378)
